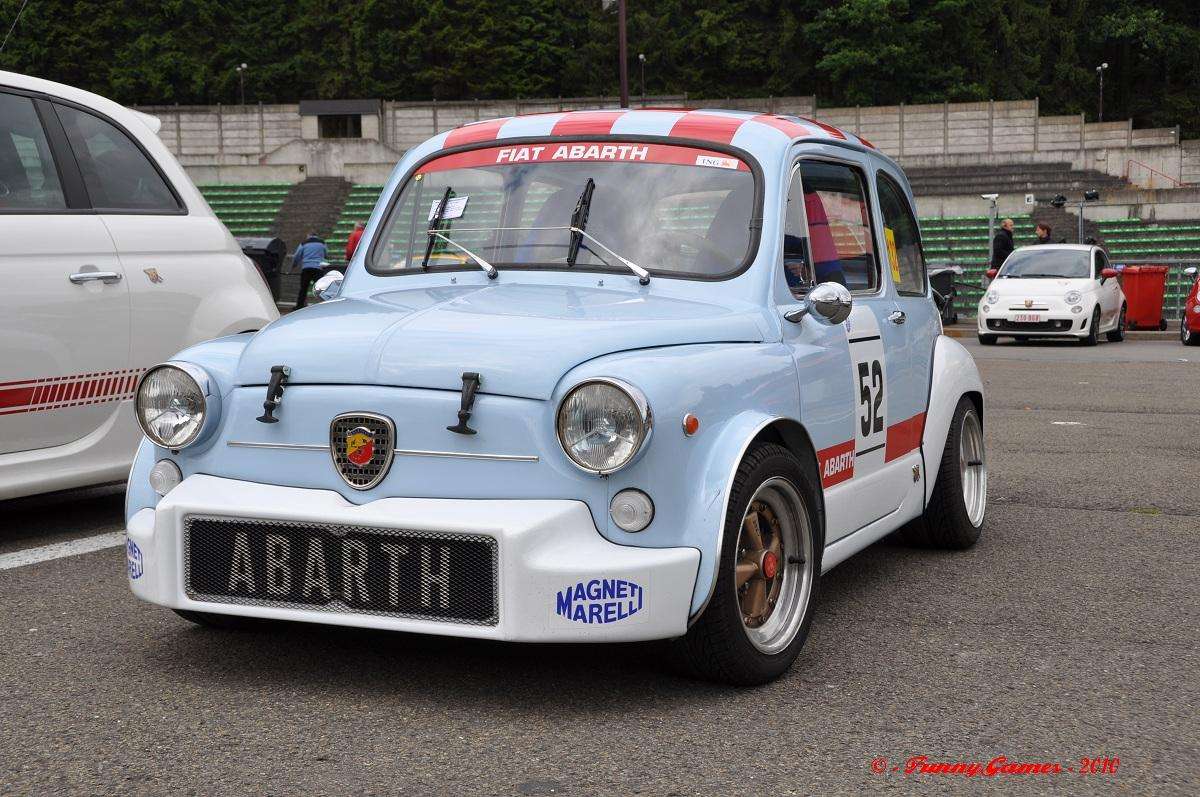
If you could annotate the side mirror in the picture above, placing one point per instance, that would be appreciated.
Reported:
(1190, 272)
(1108, 273)
(829, 303)
(992, 272)
(329, 285)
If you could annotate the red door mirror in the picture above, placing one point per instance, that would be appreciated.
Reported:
(991, 273)
(1108, 272)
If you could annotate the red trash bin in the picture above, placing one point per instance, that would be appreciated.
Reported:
(1144, 287)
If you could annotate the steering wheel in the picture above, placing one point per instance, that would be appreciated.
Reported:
(674, 240)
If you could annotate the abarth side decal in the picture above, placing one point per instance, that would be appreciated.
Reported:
(58, 392)
(836, 463)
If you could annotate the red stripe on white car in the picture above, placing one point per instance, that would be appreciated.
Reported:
(58, 392)
(786, 126)
(904, 437)
(836, 463)
(472, 133)
(549, 152)
(708, 126)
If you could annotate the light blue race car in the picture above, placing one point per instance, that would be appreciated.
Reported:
(590, 377)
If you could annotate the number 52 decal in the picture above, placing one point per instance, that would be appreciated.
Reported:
(870, 388)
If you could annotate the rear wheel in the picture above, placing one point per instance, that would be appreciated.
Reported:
(760, 611)
(1093, 333)
(1118, 334)
(987, 340)
(1186, 335)
(958, 500)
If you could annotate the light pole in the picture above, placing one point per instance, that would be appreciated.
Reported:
(1100, 71)
(642, 61)
(622, 47)
(241, 70)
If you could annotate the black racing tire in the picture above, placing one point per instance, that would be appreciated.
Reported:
(1186, 336)
(225, 622)
(1093, 334)
(1118, 334)
(987, 340)
(718, 646)
(947, 522)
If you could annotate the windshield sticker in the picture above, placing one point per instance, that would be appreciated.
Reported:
(454, 208)
(586, 151)
(720, 163)
(893, 256)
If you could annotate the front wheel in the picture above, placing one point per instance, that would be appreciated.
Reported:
(1118, 334)
(1093, 333)
(761, 607)
(1187, 336)
(958, 501)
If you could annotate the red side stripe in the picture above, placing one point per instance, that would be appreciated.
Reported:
(586, 123)
(786, 126)
(904, 437)
(707, 127)
(479, 131)
(867, 143)
(836, 463)
(16, 397)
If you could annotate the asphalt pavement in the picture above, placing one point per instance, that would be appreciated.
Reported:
(1071, 631)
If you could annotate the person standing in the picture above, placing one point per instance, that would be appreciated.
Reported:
(352, 241)
(1042, 231)
(309, 258)
(1002, 244)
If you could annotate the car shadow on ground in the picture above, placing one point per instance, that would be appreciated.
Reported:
(311, 658)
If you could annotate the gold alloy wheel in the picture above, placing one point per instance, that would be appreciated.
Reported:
(774, 565)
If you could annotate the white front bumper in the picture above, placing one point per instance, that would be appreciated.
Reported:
(543, 548)
(1070, 322)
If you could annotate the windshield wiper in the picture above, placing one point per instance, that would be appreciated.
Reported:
(487, 267)
(434, 223)
(579, 221)
(642, 274)
(1037, 276)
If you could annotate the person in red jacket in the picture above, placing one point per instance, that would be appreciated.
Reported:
(352, 241)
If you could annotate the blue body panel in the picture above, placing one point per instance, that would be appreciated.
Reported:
(397, 345)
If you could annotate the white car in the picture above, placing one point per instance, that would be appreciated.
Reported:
(1056, 290)
(111, 261)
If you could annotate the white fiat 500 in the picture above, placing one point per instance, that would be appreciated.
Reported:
(111, 260)
(1057, 290)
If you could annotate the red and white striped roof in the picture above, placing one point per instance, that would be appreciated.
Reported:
(738, 128)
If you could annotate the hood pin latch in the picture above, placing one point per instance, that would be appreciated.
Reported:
(471, 383)
(279, 376)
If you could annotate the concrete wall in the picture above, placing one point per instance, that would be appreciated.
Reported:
(230, 141)
(1178, 204)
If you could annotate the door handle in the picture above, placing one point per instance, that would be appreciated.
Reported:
(897, 317)
(107, 277)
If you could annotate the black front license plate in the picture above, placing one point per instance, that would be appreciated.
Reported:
(349, 569)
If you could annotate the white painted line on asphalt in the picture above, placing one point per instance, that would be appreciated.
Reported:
(58, 550)
(1066, 423)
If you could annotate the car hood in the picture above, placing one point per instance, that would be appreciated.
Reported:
(520, 338)
(1040, 286)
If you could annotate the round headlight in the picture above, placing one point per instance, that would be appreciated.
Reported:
(170, 406)
(993, 297)
(603, 424)
(1073, 297)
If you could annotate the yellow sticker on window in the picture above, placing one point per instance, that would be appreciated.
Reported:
(893, 258)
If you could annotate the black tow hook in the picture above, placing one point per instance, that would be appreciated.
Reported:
(279, 377)
(471, 383)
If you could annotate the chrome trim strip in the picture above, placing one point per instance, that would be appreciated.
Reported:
(286, 446)
(400, 452)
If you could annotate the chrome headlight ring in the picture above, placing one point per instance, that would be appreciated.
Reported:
(641, 412)
(209, 399)
(1073, 297)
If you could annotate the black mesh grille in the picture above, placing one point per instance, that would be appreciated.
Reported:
(346, 569)
(1002, 324)
(377, 432)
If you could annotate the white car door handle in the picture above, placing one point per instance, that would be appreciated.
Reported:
(107, 277)
(897, 317)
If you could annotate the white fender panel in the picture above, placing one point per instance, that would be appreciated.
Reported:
(954, 375)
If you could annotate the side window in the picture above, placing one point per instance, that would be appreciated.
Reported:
(28, 177)
(1101, 263)
(118, 175)
(902, 238)
(839, 225)
(796, 265)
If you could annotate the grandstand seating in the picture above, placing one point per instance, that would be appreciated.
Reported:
(357, 208)
(246, 209)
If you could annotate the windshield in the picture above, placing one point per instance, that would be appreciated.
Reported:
(1049, 263)
(673, 210)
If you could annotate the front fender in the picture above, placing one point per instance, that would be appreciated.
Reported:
(954, 375)
(735, 389)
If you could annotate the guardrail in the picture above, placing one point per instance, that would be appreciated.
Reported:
(1129, 164)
